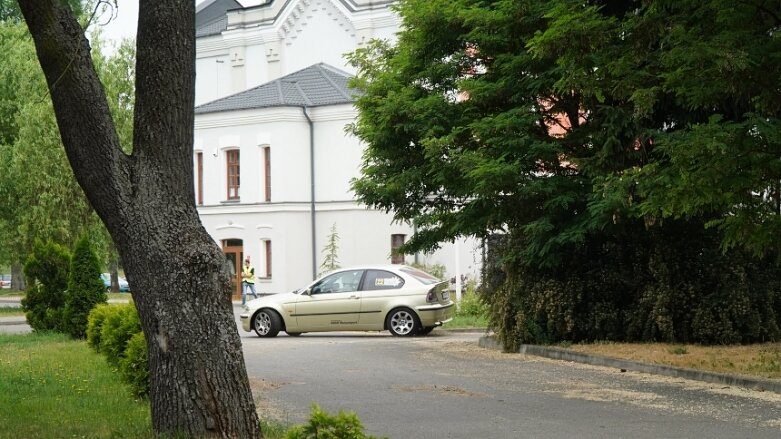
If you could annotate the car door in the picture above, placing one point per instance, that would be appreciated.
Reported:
(331, 304)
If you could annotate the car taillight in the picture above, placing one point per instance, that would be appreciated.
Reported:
(431, 297)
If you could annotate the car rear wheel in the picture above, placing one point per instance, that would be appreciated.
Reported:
(266, 323)
(402, 322)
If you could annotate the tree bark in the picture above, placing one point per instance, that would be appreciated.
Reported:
(181, 288)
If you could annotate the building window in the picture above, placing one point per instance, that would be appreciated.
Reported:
(233, 173)
(266, 248)
(396, 241)
(199, 177)
(267, 168)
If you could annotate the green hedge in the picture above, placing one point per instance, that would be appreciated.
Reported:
(672, 284)
(115, 332)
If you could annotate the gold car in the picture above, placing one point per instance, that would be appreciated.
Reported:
(399, 298)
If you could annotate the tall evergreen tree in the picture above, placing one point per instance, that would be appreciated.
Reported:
(85, 289)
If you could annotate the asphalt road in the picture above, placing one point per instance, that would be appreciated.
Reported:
(444, 386)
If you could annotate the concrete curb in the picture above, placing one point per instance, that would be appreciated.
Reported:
(12, 321)
(624, 365)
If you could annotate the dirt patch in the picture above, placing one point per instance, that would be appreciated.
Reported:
(441, 390)
(265, 405)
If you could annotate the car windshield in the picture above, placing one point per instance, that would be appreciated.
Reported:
(421, 276)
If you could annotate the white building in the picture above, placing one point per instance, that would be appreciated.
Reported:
(273, 163)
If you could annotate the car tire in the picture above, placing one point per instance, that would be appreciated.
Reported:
(402, 322)
(293, 334)
(426, 330)
(266, 323)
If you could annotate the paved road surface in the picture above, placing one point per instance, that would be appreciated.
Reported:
(444, 386)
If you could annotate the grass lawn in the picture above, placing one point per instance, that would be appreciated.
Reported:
(11, 311)
(9, 292)
(55, 387)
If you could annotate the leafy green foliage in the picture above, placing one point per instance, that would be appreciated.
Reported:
(134, 365)
(85, 289)
(321, 425)
(95, 319)
(39, 194)
(119, 326)
(472, 305)
(46, 270)
(115, 332)
(603, 138)
(645, 289)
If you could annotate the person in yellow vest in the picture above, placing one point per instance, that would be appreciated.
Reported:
(247, 281)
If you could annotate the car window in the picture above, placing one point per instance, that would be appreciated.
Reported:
(422, 276)
(342, 282)
(381, 280)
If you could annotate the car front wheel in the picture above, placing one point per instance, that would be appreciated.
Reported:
(402, 322)
(266, 323)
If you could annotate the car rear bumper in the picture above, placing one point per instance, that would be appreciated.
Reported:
(435, 314)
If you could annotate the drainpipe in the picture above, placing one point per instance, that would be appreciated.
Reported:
(312, 180)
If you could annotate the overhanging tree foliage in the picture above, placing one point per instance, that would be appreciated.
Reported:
(39, 194)
(599, 136)
(198, 381)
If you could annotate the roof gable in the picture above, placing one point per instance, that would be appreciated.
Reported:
(314, 86)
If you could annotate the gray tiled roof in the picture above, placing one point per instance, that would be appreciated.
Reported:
(211, 16)
(313, 86)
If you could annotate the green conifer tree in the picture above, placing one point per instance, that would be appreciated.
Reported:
(85, 289)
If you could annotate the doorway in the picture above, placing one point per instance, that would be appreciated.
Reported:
(234, 252)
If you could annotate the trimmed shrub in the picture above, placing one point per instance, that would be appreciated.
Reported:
(118, 327)
(115, 332)
(134, 365)
(46, 270)
(672, 284)
(321, 425)
(85, 289)
(95, 324)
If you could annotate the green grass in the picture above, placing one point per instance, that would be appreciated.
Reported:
(466, 322)
(9, 292)
(11, 311)
(55, 387)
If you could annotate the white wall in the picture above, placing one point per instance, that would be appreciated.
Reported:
(288, 37)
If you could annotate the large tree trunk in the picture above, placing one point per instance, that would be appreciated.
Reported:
(181, 287)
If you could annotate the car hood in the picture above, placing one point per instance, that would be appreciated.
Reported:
(273, 299)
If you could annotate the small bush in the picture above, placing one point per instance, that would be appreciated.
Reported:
(95, 324)
(118, 327)
(345, 425)
(472, 305)
(115, 332)
(85, 289)
(46, 270)
(134, 365)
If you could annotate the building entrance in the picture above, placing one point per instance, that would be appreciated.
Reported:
(234, 251)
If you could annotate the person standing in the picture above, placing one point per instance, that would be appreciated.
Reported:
(247, 281)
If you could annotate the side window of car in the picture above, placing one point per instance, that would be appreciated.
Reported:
(342, 282)
(382, 280)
